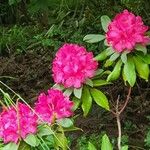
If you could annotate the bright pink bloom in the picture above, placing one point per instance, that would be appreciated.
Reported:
(28, 120)
(53, 105)
(9, 126)
(125, 31)
(17, 123)
(73, 65)
(1, 129)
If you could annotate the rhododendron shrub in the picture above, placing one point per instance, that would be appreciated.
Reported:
(73, 65)
(126, 40)
(23, 127)
(53, 105)
(76, 74)
(17, 122)
(74, 68)
(126, 31)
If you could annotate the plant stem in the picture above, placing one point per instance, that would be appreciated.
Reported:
(119, 131)
(118, 123)
(117, 114)
(127, 100)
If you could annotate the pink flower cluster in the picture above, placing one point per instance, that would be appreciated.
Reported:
(53, 105)
(125, 31)
(17, 122)
(73, 65)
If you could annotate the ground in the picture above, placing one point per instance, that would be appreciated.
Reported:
(31, 74)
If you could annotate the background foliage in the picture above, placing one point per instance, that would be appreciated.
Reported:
(34, 24)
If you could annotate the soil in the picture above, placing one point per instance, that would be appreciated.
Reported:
(31, 74)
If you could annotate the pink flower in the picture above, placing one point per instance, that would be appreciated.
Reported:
(125, 31)
(17, 123)
(73, 65)
(1, 129)
(53, 105)
(28, 120)
(9, 125)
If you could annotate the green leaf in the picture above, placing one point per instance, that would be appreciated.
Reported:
(107, 72)
(129, 71)
(100, 98)
(61, 141)
(76, 103)
(10, 146)
(114, 56)
(124, 77)
(142, 68)
(101, 56)
(106, 43)
(89, 82)
(44, 130)
(108, 63)
(124, 57)
(78, 92)
(145, 58)
(58, 86)
(93, 38)
(65, 122)
(106, 145)
(72, 128)
(141, 48)
(100, 83)
(124, 147)
(68, 92)
(24, 146)
(104, 54)
(105, 20)
(99, 72)
(91, 146)
(114, 75)
(109, 51)
(86, 101)
(31, 140)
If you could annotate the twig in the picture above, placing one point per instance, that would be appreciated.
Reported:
(117, 114)
(118, 123)
(137, 147)
(119, 131)
(127, 100)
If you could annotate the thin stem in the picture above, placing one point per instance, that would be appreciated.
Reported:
(126, 102)
(119, 131)
(137, 147)
(43, 142)
(117, 115)
(118, 123)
